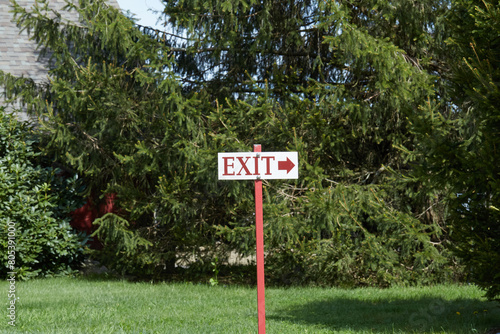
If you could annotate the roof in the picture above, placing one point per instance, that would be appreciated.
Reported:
(18, 54)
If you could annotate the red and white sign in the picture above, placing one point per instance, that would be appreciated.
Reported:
(258, 165)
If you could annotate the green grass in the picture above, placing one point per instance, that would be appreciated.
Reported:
(86, 306)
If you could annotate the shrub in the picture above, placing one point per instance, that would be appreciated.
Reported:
(34, 206)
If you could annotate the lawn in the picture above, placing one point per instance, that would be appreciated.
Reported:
(63, 305)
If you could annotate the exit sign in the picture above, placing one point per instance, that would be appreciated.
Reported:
(258, 165)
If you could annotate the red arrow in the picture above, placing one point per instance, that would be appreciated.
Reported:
(286, 165)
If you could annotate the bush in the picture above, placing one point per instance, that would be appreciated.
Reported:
(34, 205)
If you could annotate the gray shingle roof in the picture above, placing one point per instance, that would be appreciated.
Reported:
(18, 54)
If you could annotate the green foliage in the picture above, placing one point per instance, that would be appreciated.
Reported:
(125, 250)
(214, 281)
(476, 217)
(34, 206)
(347, 220)
(458, 148)
(339, 83)
(143, 117)
(360, 239)
(350, 219)
(232, 45)
(114, 112)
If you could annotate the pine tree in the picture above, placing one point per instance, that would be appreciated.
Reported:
(143, 115)
(339, 82)
(460, 149)
(230, 46)
(114, 112)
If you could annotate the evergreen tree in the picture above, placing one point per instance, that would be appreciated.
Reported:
(236, 46)
(113, 111)
(338, 82)
(143, 116)
(460, 149)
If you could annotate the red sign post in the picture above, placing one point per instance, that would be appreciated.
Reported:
(259, 234)
(257, 166)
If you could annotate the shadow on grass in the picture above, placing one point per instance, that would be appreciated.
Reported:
(395, 315)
